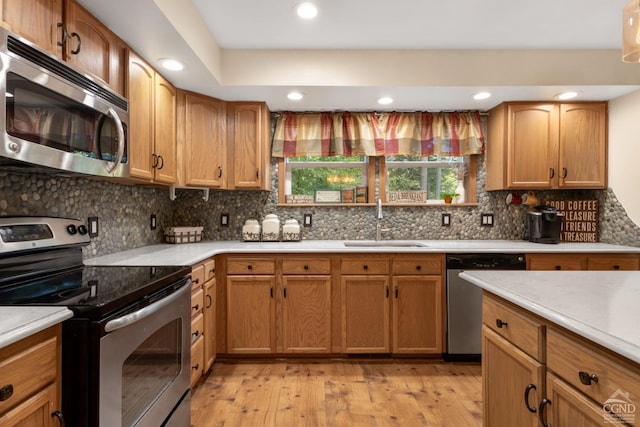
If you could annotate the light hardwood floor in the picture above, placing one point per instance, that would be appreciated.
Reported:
(339, 393)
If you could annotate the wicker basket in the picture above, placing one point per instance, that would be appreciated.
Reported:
(183, 234)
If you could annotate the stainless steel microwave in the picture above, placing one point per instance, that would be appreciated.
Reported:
(54, 118)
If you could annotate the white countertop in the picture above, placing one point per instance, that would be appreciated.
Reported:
(601, 306)
(192, 253)
(17, 323)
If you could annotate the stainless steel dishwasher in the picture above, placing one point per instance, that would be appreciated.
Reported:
(464, 301)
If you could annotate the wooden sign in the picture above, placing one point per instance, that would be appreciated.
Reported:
(580, 222)
(407, 196)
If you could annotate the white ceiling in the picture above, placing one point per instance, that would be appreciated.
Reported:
(426, 54)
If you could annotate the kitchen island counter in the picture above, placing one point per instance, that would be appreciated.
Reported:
(601, 306)
(192, 253)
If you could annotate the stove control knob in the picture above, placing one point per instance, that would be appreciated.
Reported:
(82, 229)
(71, 229)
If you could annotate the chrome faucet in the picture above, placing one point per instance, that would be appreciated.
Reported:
(379, 229)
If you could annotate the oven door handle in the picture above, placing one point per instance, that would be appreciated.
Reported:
(129, 319)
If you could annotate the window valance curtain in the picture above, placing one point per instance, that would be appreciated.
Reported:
(377, 134)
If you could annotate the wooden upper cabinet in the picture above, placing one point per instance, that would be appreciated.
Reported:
(546, 146)
(248, 127)
(165, 130)
(92, 47)
(202, 138)
(583, 146)
(36, 20)
(141, 78)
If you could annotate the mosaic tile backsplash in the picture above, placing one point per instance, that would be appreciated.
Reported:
(124, 212)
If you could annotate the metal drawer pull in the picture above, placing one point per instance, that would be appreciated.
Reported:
(418, 267)
(196, 367)
(365, 267)
(196, 334)
(195, 307)
(526, 398)
(541, 414)
(501, 323)
(306, 267)
(249, 267)
(6, 392)
(586, 378)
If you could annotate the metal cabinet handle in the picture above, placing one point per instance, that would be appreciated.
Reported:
(271, 291)
(564, 173)
(6, 392)
(501, 323)
(154, 163)
(257, 173)
(65, 34)
(196, 281)
(396, 292)
(543, 418)
(586, 378)
(195, 307)
(249, 267)
(196, 367)
(209, 301)
(219, 171)
(365, 267)
(526, 398)
(161, 162)
(616, 267)
(558, 267)
(79, 46)
(196, 334)
(306, 267)
(387, 291)
(60, 417)
(552, 172)
(284, 291)
(121, 140)
(418, 267)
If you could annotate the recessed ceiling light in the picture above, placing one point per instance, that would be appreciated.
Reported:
(385, 100)
(565, 95)
(481, 95)
(307, 10)
(171, 64)
(295, 96)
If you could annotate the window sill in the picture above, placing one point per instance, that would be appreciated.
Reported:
(352, 205)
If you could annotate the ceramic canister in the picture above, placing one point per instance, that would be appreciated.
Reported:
(251, 231)
(291, 230)
(271, 228)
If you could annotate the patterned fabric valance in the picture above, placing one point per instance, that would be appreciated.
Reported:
(377, 134)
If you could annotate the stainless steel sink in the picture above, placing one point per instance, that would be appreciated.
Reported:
(384, 244)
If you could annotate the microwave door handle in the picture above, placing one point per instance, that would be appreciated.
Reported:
(129, 319)
(121, 140)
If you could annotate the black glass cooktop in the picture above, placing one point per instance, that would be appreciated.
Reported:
(93, 292)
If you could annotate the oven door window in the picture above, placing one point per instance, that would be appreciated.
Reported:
(149, 370)
(41, 116)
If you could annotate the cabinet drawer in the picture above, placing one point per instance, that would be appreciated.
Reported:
(306, 266)
(556, 262)
(419, 265)
(618, 262)
(365, 265)
(514, 325)
(575, 361)
(197, 360)
(28, 366)
(209, 269)
(197, 276)
(197, 301)
(251, 266)
(197, 327)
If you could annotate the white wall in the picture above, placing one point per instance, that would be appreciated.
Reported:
(624, 152)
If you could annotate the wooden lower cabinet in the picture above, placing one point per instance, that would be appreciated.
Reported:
(507, 374)
(251, 314)
(209, 323)
(564, 406)
(306, 314)
(365, 314)
(417, 314)
(31, 367)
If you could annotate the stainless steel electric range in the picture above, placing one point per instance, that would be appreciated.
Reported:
(126, 351)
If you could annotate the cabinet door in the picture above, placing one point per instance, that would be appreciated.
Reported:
(141, 115)
(567, 407)
(417, 314)
(365, 314)
(583, 146)
(205, 135)
(507, 373)
(251, 314)
(532, 135)
(306, 314)
(165, 130)
(249, 139)
(37, 410)
(35, 20)
(90, 44)
(209, 323)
